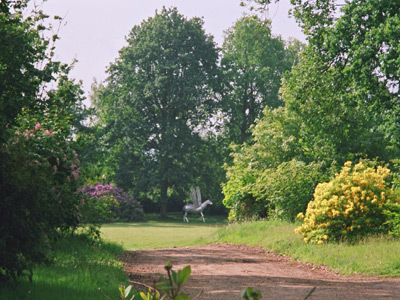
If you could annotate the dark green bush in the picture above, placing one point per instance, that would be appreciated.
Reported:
(37, 196)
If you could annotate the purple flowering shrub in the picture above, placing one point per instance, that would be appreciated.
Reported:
(103, 202)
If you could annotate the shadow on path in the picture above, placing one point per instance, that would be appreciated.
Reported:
(223, 271)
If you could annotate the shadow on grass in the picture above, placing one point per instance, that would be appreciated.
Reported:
(79, 267)
(171, 221)
(159, 225)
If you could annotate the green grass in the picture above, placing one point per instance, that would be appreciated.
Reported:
(163, 233)
(373, 256)
(80, 266)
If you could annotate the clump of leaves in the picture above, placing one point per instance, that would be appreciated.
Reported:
(170, 288)
(172, 285)
(250, 294)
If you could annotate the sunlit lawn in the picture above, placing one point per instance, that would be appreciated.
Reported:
(163, 233)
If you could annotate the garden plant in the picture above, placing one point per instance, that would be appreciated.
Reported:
(352, 205)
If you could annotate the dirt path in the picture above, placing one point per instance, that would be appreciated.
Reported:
(223, 271)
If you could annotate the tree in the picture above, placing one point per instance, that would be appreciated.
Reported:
(271, 176)
(341, 103)
(21, 49)
(253, 62)
(346, 86)
(158, 91)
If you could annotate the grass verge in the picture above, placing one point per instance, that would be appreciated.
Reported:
(377, 256)
(80, 266)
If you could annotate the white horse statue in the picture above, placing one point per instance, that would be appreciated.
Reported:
(197, 206)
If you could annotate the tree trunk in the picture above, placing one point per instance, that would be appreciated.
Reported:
(163, 198)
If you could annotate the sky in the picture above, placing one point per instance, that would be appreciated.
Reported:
(95, 30)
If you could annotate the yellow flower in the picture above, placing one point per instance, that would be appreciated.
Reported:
(300, 216)
(347, 164)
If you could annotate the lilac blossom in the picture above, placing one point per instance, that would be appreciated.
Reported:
(128, 209)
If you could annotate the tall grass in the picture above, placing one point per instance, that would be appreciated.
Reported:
(377, 255)
(79, 267)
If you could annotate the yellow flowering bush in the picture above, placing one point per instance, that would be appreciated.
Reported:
(350, 206)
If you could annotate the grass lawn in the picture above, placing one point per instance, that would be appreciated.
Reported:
(163, 233)
(80, 266)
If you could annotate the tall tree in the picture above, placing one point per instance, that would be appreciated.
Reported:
(346, 88)
(253, 62)
(341, 102)
(158, 91)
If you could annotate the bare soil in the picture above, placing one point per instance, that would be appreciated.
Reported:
(223, 271)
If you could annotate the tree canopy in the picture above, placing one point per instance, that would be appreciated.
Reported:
(159, 90)
(341, 103)
(253, 62)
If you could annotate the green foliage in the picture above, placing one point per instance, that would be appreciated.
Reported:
(253, 62)
(40, 174)
(350, 206)
(345, 87)
(287, 189)
(393, 211)
(159, 91)
(250, 294)
(270, 177)
(169, 288)
(393, 219)
(172, 285)
(39, 168)
(341, 104)
(22, 49)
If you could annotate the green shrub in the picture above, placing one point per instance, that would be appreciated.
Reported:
(282, 192)
(39, 176)
(349, 206)
(393, 219)
(288, 188)
(238, 189)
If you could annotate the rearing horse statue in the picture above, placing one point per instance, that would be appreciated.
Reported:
(197, 206)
